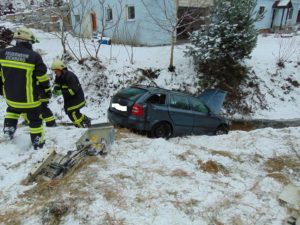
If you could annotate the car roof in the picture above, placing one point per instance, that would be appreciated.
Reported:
(158, 89)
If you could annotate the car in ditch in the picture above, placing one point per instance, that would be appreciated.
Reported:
(165, 113)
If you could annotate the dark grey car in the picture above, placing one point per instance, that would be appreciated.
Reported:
(166, 113)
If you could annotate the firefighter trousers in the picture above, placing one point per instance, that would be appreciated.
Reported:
(47, 115)
(35, 124)
(79, 119)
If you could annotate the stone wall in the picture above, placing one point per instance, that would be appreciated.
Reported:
(46, 19)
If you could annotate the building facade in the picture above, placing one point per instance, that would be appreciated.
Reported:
(142, 22)
(277, 15)
(155, 22)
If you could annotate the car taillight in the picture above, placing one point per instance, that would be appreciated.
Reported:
(137, 110)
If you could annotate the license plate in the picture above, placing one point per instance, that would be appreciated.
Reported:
(119, 107)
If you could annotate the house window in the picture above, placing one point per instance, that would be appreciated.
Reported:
(291, 13)
(77, 18)
(130, 13)
(109, 14)
(261, 12)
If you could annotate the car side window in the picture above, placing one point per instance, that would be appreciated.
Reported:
(180, 102)
(198, 106)
(159, 99)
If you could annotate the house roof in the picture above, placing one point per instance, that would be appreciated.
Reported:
(282, 4)
(195, 3)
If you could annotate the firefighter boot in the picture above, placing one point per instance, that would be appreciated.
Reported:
(36, 142)
(51, 123)
(9, 132)
(86, 122)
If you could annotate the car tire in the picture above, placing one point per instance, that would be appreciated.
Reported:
(161, 130)
(221, 130)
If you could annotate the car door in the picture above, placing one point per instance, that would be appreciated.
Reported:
(181, 114)
(157, 109)
(204, 120)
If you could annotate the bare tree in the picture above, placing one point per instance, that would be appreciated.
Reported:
(107, 21)
(64, 28)
(173, 21)
(288, 47)
(85, 24)
(129, 39)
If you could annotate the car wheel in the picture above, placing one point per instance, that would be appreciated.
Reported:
(161, 130)
(221, 130)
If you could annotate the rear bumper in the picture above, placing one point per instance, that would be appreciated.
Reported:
(132, 122)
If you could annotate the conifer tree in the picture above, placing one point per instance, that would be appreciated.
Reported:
(227, 40)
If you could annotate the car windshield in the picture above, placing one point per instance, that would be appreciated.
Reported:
(131, 93)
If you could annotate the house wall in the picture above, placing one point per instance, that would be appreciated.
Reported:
(143, 30)
(296, 4)
(81, 17)
(265, 22)
(140, 31)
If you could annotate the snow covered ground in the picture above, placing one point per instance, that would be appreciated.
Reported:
(229, 179)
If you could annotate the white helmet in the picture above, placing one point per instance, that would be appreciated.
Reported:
(25, 34)
(58, 65)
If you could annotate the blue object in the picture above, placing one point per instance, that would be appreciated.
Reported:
(105, 41)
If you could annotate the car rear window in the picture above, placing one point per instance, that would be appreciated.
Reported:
(131, 93)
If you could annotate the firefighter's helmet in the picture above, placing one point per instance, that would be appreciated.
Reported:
(58, 65)
(25, 34)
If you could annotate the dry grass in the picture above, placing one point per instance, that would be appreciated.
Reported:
(212, 167)
(281, 178)
(120, 176)
(179, 173)
(279, 163)
(184, 156)
(53, 213)
(225, 154)
(121, 133)
(111, 194)
(40, 198)
(147, 197)
(186, 206)
(112, 220)
(11, 218)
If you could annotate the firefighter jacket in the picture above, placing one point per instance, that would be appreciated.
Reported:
(23, 75)
(71, 90)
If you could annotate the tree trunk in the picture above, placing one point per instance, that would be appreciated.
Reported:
(171, 67)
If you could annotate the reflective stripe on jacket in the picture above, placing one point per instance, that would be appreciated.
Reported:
(23, 73)
(71, 89)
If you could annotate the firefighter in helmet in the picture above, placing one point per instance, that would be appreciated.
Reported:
(23, 76)
(67, 84)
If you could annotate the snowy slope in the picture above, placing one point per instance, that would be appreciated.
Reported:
(230, 179)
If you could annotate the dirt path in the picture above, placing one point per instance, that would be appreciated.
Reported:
(247, 125)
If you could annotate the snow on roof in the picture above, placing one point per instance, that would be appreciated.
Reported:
(283, 3)
(195, 3)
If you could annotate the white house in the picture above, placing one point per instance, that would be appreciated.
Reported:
(140, 22)
(153, 22)
(277, 15)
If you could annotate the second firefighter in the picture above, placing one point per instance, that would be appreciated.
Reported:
(67, 84)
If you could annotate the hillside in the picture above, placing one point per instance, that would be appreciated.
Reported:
(228, 179)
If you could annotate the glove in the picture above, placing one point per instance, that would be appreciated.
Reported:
(56, 91)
